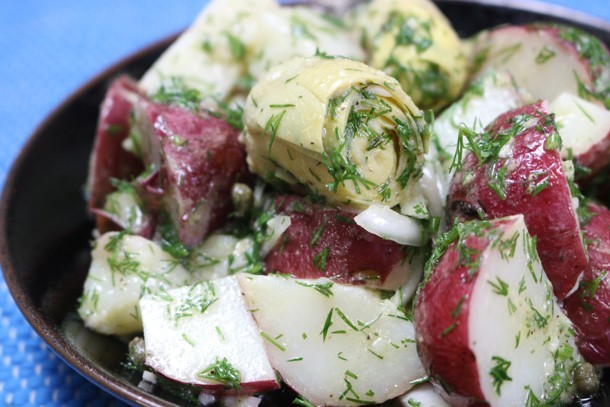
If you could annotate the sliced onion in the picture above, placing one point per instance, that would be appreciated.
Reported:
(275, 227)
(391, 225)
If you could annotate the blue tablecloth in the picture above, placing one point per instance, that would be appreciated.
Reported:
(48, 49)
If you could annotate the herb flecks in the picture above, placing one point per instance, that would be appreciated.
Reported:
(272, 126)
(544, 55)
(499, 373)
(327, 324)
(196, 301)
(236, 46)
(175, 92)
(321, 258)
(499, 286)
(592, 50)
(421, 78)
(273, 341)
(322, 288)
(223, 372)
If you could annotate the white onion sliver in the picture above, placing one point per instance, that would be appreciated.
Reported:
(391, 225)
(275, 227)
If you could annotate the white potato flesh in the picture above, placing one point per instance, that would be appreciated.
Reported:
(243, 401)
(513, 298)
(490, 95)
(243, 251)
(189, 329)
(125, 208)
(210, 260)
(423, 395)
(334, 344)
(415, 268)
(532, 57)
(123, 268)
(222, 254)
(581, 124)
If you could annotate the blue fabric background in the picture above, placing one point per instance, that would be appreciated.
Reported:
(48, 49)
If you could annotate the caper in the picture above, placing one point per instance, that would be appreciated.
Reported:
(137, 351)
(241, 195)
(586, 380)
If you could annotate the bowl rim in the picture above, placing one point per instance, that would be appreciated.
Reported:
(542, 7)
(50, 333)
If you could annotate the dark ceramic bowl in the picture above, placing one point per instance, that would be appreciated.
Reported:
(45, 230)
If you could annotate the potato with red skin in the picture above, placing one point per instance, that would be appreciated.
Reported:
(596, 158)
(519, 170)
(578, 62)
(324, 241)
(589, 307)
(484, 316)
(585, 134)
(199, 158)
(191, 328)
(438, 350)
(109, 159)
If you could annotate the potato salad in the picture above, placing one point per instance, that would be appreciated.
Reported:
(294, 206)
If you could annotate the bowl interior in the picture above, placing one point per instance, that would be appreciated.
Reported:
(45, 230)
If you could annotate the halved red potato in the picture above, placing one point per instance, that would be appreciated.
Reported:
(489, 330)
(199, 159)
(324, 241)
(585, 132)
(109, 159)
(516, 167)
(589, 307)
(334, 344)
(576, 61)
(204, 335)
(494, 92)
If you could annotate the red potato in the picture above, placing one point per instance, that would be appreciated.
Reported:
(198, 158)
(589, 307)
(484, 316)
(109, 159)
(521, 171)
(585, 132)
(326, 242)
(334, 344)
(578, 62)
(204, 335)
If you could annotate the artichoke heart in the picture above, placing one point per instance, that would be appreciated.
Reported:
(345, 130)
(414, 42)
(232, 43)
